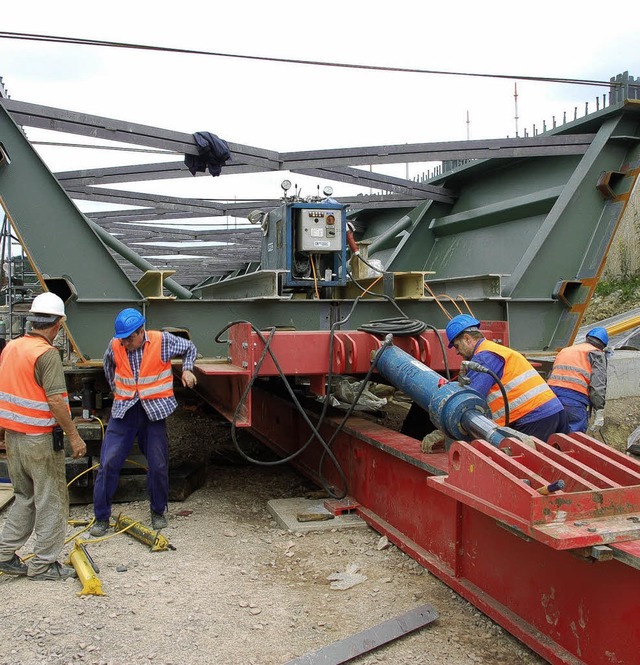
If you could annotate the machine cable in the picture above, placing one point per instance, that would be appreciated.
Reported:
(477, 367)
(399, 326)
(315, 433)
(315, 429)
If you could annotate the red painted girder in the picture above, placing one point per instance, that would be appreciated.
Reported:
(306, 353)
(569, 608)
(302, 352)
(503, 487)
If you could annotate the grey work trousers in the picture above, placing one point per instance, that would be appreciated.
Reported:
(41, 501)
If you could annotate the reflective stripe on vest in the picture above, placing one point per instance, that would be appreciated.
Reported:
(526, 389)
(572, 368)
(155, 378)
(23, 403)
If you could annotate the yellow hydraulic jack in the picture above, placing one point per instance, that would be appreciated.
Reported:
(156, 541)
(87, 570)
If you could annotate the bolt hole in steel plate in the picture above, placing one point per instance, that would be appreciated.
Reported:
(455, 460)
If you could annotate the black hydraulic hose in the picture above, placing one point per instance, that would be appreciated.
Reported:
(444, 351)
(400, 327)
(507, 415)
(267, 349)
(477, 367)
(314, 429)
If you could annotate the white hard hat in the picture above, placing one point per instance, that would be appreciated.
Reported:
(46, 308)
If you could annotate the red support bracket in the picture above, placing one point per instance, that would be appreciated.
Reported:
(506, 483)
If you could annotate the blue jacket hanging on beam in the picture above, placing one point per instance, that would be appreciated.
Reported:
(213, 152)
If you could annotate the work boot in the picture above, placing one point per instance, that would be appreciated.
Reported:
(158, 521)
(55, 572)
(15, 566)
(99, 528)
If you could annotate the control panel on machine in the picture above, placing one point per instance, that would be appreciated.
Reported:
(306, 239)
(318, 230)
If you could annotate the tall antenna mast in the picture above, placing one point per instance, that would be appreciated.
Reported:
(515, 99)
(468, 126)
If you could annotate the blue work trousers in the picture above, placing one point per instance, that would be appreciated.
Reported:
(578, 417)
(118, 441)
(543, 428)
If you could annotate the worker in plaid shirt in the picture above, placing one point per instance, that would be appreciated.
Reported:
(137, 365)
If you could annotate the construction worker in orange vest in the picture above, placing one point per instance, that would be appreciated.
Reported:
(533, 408)
(137, 365)
(34, 415)
(579, 379)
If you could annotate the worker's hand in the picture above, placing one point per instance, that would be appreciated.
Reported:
(432, 440)
(598, 421)
(188, 379)
(78, 446)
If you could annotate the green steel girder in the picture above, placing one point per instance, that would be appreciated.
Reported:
(544, 224)
(523, 240)
(54, 234)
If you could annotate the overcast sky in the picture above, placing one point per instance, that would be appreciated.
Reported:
(299, 107)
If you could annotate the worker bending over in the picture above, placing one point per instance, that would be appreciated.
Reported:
(533, 407)
(579, 379)
(137, 365)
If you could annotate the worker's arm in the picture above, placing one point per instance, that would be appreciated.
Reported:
(179, 347)
(598, 384)
(60, 410)
(109, 366)
(49, 374)
(480, 381)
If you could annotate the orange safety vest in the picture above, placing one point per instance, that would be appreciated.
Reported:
(526, 389)
(155, 378)
(23, 403)
(572, 368)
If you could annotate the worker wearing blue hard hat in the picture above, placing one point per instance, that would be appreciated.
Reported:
(533, 407)
(579, 379)
(137, 365)
(127, 322)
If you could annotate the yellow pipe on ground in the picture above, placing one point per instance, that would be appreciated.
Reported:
(80, 560)
(156, 541)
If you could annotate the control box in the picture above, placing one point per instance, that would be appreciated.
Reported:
(307, 240)
(318, 230)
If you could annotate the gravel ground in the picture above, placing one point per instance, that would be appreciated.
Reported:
(240, 589)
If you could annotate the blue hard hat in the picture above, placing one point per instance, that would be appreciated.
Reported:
(459, 324)
(127, 322)
(600, 334)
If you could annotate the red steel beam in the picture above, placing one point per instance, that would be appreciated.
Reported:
(566, 605)
(306, 353)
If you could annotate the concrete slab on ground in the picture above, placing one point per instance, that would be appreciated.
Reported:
(293, 514)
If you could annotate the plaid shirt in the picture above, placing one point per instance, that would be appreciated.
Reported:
(172, 347)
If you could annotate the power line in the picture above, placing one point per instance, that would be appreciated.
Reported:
(316, 63)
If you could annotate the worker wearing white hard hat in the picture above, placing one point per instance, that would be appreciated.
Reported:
(34, 416)
(137, 365)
